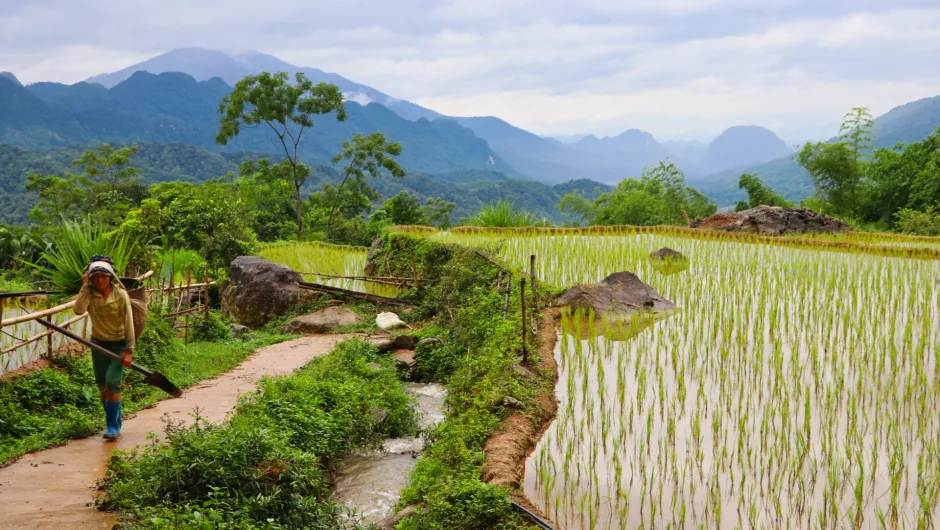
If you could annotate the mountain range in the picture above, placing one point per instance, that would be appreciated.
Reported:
(605, 159)
(173, 99)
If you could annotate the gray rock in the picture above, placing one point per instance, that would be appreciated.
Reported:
(773, 221)
(618, 295)
(511, 403)
(239, 330)
(385, 345)
(326, 319)
(378, 415)
(430, 340)
(374, 366)
(257, 291)
(667, 254)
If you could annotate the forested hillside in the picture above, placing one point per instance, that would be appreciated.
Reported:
(162, 162)
(175, 108)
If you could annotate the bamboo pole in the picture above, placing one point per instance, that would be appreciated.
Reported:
(41, 314)
(43, 334)
(525, 352)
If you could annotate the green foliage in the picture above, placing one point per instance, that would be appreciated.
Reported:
(903, 178)
(660, 197)
(502, 214)
(76, 243)
(212, 219)
(836, 174)
(758, 194)
(19, 246)
(106, 189)
(179, 262)
(212, 328)
(926, 223)
(402, 209)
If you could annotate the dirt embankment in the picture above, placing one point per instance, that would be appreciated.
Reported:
(507, 448)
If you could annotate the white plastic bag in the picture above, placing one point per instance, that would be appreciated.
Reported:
(388, 321)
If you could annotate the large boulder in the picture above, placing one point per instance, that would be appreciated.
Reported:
(326, 319)
(773, 221)
(258, 290)
(617, 296)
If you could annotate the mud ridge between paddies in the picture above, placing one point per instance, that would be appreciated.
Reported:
(510, 445)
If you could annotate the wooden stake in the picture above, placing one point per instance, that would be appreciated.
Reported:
(206, 302)
(535, 299)
(525, 353)
(189, 277)
(508, 284)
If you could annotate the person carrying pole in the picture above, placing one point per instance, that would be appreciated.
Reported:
(106, 301)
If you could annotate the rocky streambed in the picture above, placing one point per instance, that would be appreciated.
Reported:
(371, 481)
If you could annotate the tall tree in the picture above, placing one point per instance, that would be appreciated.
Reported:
(858, 131)
(838, 168)
(287, 109)
(366, 155)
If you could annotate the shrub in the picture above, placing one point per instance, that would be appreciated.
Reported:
(239, 469)
(926, 223)
(212, 328)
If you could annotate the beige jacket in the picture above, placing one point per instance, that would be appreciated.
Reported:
(112, 320)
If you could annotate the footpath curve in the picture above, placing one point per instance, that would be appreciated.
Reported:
(55, 488)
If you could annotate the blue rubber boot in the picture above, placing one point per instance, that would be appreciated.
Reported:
(119, 417)
(112, 418)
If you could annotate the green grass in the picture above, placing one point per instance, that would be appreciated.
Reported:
(50, 406)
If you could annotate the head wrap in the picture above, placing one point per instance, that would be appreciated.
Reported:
(102, 267)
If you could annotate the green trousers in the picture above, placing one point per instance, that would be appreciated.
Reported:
(108, 372)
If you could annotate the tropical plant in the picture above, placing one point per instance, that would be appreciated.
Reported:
(76, 243)
(503, 214)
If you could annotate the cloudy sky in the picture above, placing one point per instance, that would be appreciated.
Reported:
(681, 69)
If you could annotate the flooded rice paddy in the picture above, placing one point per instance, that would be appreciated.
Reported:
(794, 388)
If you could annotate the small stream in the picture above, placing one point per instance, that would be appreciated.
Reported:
(371, 482)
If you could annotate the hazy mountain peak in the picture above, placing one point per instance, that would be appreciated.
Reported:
(743, 145)
(10, 76)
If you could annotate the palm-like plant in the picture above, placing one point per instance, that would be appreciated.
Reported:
(75, 243)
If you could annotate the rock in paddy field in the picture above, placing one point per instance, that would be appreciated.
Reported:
(773, 221)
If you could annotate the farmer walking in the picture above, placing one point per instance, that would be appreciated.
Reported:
(112, 327)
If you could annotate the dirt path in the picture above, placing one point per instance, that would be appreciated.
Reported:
(55, 488)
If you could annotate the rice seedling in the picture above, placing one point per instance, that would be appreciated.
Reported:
(796, 387)
(319, 262)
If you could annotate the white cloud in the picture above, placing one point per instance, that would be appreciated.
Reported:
(601, 66)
